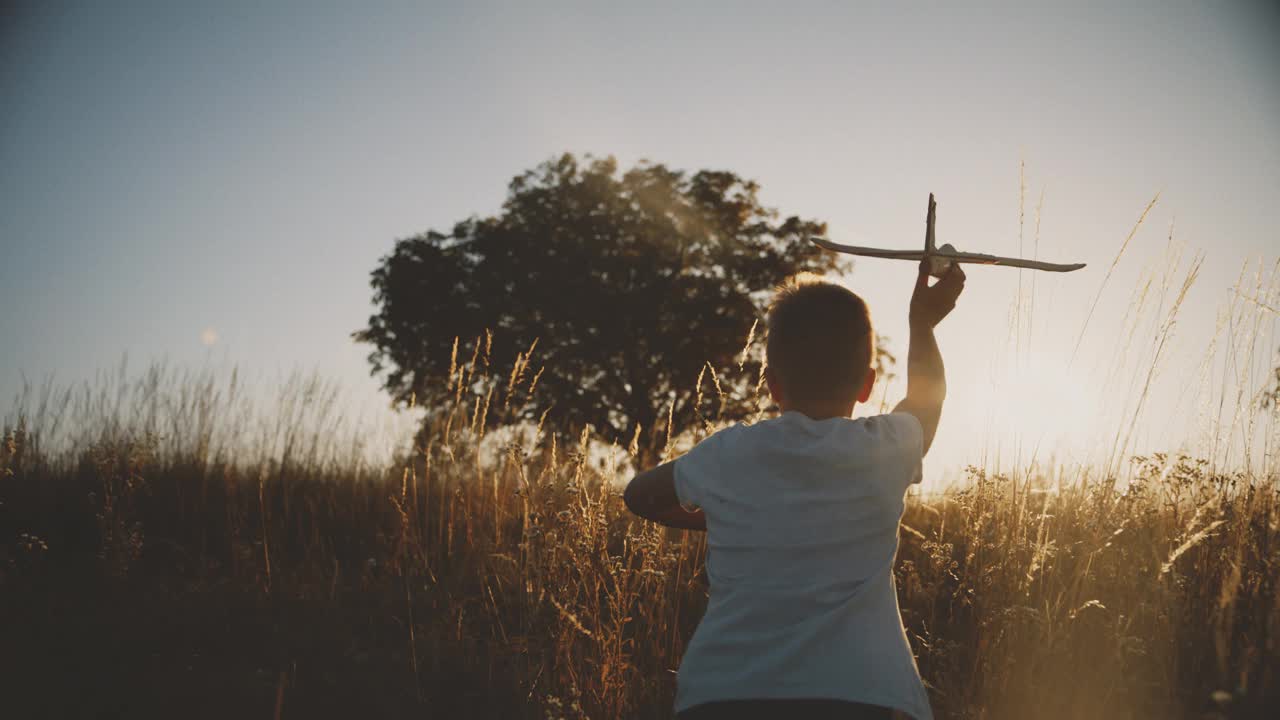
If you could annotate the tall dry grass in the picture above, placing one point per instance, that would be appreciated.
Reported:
(167, 548)
(151, 566)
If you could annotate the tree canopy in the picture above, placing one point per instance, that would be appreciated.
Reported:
(629, 283)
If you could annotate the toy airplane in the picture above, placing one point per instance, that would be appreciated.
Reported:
(941, 258)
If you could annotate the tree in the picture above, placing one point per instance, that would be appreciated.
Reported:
(630, 285)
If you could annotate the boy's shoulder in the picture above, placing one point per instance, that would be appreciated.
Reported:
(792, 421)
(895, 433)
(889, 445)
(887, 429)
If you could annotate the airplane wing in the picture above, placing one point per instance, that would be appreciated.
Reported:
(866, 251)
(980, 259)
(961, 257)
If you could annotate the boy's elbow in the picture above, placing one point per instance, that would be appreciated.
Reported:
(924, 405)
(630, 497)
(930, 394)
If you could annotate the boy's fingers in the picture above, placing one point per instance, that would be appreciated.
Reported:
(922, 277)
(952, 282)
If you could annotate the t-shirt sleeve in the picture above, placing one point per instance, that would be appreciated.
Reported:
(697, 469)
(906, 437)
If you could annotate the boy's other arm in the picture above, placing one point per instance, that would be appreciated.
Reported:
(926, 378)
(652, 496)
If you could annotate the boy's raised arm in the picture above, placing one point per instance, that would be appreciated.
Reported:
(926, 379)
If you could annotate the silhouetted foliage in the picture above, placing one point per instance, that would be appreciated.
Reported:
(1271, 397)
(629, 284)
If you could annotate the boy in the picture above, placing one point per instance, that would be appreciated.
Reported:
(802, 515)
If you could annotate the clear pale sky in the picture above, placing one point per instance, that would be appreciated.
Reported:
(170, 174)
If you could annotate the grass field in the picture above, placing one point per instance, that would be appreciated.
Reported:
(168, 553)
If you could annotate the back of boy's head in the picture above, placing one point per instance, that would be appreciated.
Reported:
(820, 341)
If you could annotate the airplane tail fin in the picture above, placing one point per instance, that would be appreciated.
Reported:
(929, 244)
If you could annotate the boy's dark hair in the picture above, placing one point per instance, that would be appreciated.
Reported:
(820, 340)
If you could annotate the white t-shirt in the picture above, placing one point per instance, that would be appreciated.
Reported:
(802, 530)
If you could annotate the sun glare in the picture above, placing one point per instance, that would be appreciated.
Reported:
(1039, 402)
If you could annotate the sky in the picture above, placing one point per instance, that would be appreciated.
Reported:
(212, 183)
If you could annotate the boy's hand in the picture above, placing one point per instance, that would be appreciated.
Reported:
(929, 305)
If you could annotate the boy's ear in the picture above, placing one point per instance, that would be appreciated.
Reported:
(865, 393)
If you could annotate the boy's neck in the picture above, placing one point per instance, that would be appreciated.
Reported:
(822, 412)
